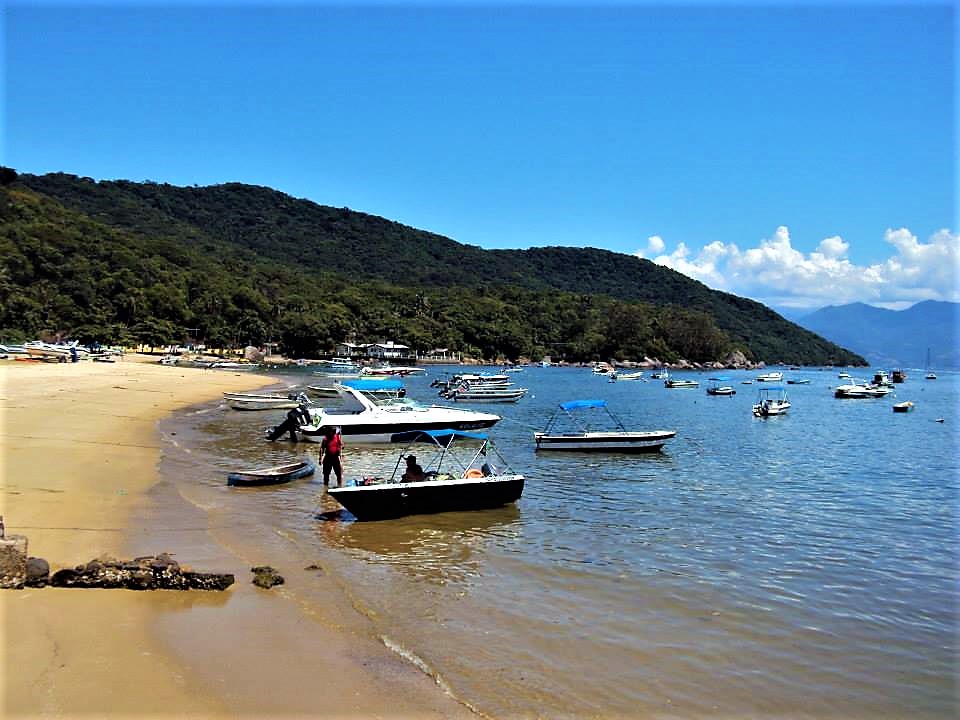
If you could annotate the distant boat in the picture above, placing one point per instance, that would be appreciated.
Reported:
(898, 375)
(670, 383)
(859, 390)
(773, 376)
(931, 375)
(720, 386)
(903, 407)
(272, 475)
(771, 401)
(799, 381)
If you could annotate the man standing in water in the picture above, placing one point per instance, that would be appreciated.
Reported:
(330, 448)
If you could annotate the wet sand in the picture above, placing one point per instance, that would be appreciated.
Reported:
(78, 468)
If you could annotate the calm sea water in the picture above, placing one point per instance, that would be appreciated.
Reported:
(803, 565)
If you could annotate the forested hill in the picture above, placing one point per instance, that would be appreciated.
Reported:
(379, 278)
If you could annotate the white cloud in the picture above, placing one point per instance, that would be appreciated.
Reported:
(776, 273)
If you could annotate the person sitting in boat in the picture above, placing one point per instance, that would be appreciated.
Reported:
(413, 473)
(330, 448)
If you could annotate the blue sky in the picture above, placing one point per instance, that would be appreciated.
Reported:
(799, 154)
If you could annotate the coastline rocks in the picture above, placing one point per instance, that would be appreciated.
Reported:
(152, 572)
(38, 573)
(266, 577)
(13, 561)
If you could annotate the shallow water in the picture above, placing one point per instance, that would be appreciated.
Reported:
(802, 565)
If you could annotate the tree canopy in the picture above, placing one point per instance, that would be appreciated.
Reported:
(232, 265)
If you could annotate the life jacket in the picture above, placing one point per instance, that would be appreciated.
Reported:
(335, 444)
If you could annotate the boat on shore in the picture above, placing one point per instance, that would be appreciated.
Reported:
(263, 401)
(273, 475)
(771, 400)
(585, 435)
(465, 471)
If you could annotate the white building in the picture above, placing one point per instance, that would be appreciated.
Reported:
(388, 350)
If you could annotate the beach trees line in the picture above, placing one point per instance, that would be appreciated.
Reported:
(96, 261)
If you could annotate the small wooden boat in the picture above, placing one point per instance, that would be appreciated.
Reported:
(903, 407)
(272, 475)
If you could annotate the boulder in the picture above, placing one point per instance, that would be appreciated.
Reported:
(151, 572)
(38, 572)
(266, 577)
(13, 561)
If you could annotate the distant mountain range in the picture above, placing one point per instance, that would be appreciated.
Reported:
(890, 338)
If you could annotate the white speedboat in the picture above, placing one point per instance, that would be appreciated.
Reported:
(482, 394)
(771, 401)
(770, 377)
(677, 383)
(62, 352)
(370, 415)
(465, 472)
(857, 390)
(392, 370)
(586, 436)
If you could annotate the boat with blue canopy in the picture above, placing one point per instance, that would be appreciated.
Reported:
(720, 386)
(463, 470)
(590, 426)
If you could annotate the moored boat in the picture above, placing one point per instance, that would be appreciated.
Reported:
(720, 386)
(272, 475)
(773, 376)
(464, 472)
(771, 400)
(676, 383)
(585, 435)
(903, 407)
(859, 390)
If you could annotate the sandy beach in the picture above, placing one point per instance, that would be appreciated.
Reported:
(78, 467)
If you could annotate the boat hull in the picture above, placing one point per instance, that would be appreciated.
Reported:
(395, 500)
(271, 476)
(623, 442)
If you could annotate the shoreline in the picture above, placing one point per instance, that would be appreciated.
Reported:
(81, 451)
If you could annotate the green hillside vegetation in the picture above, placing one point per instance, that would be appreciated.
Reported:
(232, 265)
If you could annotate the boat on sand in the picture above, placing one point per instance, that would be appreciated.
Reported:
(272, 475)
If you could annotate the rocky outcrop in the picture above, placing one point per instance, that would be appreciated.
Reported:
(13, 561)
(38, 572)
(266, 577)
(152, 572)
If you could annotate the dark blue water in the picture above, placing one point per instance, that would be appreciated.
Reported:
(800, 565)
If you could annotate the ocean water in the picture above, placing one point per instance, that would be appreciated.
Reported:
(803, 565)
